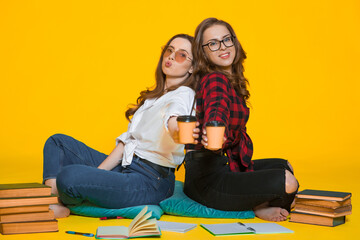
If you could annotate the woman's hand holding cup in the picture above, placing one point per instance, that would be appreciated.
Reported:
(196, 132)
(186, 126)
(216, 132)
(204, 139)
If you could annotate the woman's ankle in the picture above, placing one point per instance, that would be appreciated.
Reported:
(51, 182)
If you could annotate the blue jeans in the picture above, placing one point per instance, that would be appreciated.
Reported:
(74, 165)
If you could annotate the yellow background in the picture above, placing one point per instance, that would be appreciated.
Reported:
(72, 67)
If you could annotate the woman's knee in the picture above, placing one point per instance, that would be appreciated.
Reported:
(290, 166)
(58, 137)
(55, 139)
(291, 184)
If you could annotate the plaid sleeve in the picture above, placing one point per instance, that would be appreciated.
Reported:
(216, 92)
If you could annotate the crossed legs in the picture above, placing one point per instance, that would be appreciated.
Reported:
(61, 150)
(276, 214)
(269, 190)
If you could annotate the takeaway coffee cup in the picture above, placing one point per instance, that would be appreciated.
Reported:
(186, 126)
(215, 134)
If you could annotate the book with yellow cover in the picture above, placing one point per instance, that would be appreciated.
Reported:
(27, 217)
(322, 211)
(28, 201)
(316, 219)
(29, 227)
(323, 203)
(24, 209)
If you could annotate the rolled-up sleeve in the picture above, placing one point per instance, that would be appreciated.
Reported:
(216, 92)
(179, 104)
(121, 138)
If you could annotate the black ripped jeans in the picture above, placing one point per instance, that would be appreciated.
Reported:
(209, 181)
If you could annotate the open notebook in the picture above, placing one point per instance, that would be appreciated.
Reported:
(141, 226)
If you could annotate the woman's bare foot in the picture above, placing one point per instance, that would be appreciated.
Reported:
(60, 211)
(274, 214)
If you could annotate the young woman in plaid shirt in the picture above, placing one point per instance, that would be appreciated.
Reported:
(228, 179)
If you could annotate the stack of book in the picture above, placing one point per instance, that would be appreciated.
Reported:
(326, 208)
(24, 208)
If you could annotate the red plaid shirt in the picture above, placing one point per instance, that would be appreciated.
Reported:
(216, 95)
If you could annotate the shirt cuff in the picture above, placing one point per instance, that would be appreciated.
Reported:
(166, 120)
(122, 138)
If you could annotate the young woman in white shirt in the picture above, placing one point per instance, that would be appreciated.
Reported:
(140, 169)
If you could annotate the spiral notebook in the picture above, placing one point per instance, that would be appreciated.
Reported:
(241, 228)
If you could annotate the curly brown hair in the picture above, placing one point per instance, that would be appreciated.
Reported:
(159, 88)
(203, 66)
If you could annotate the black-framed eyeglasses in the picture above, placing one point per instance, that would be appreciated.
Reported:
(180, 55)
(215, 44)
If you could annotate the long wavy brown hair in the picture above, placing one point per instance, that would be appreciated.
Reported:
(159, 88)
(203, 66)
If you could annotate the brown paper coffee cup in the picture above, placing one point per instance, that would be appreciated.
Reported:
(215, 134)
(186, 125)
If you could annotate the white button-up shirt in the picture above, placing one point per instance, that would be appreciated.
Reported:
(148, 136)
